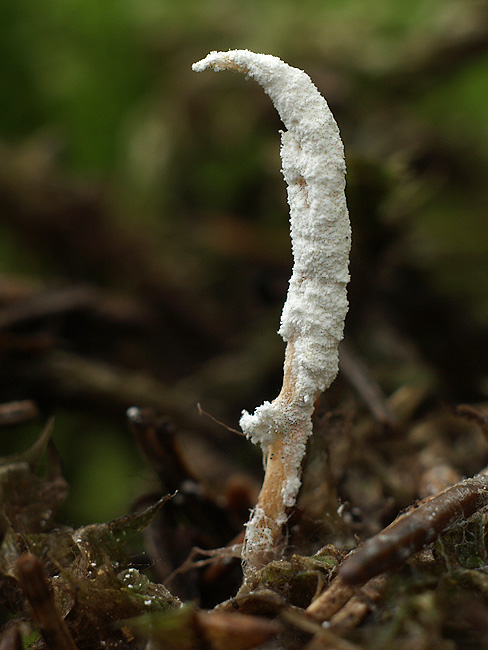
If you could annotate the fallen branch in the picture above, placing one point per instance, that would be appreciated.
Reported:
(414, 529)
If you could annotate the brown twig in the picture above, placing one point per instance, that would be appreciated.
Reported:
(414, 529)
(43, 607)
(79, 377)
(355, 610)
(47, 303)
(474, 415)
(368, 389)
(17, 412)
(331, 600)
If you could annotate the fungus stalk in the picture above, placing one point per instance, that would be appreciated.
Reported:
(313, 315)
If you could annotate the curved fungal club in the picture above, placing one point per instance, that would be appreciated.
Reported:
(313, 315)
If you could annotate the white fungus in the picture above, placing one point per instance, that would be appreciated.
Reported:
(313, 315)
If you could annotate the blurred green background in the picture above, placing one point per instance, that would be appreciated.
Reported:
(123, 171)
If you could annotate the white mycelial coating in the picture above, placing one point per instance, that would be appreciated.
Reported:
(314, 170)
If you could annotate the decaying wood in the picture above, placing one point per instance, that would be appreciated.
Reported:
(355, 610)
(344, 607)
(331, 600)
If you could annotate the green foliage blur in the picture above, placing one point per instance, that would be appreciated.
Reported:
(112, 81)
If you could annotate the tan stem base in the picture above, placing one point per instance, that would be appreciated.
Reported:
(264, 530)
(282, 474)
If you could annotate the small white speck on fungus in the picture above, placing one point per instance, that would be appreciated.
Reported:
(312, 320)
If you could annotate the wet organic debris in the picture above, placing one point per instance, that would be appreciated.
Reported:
(196, 518)
(94, 594)
(79, 588)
